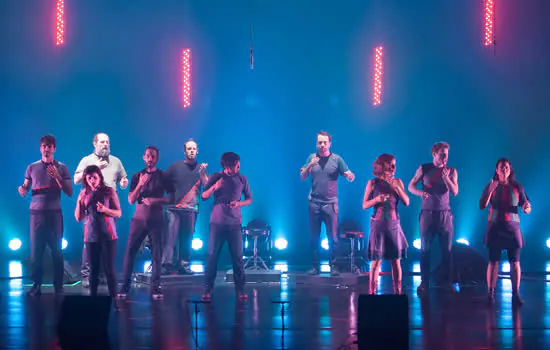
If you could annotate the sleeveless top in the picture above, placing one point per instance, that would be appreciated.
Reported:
(432, 183)
(386, 210)
(506, 202)
(98, 226)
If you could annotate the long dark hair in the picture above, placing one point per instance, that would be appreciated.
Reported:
(511, 177)
(381, 164)
(90, 170)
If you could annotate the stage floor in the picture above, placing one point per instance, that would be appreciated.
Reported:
(318, 317)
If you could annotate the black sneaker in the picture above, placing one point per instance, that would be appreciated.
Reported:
(185, 270)
(156, 292)
(313, 271)
(35, 291)
(516, 299)
(124, 291)
(166, 269)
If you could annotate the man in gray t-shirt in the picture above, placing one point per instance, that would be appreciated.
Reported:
(325, 168)
(47, 178)
(113, 173)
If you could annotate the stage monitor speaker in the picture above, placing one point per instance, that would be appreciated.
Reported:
(83, 322)
(383, 322)
(469, 267)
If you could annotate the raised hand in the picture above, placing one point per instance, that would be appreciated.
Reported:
(143, 179)
(313, 161)
(202, 167)
(493, 185)
(218, 184)
(53, 172)
(123, 182)
(102, 164)
(23, 191)
(382, 197)
(101, 207)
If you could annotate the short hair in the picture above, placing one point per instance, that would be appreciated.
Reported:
(99, 133)
(379, 165)
(48, 140)
(190, 140)
(229, 160)
(324, 133)
(439, 145)
(152, 148)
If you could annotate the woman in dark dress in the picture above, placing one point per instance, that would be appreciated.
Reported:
(505, 197)
(98, 206)
(387, 240)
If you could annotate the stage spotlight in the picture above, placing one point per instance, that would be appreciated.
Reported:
(324, 244)
(548, 242)
(196, 243)
(64, 243)
(281, 243)
(463, 241)
(15, 244)
(417, 243)
(147, 266)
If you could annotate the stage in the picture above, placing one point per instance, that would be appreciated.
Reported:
(317, 316)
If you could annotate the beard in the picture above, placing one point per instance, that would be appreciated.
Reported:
(103, 152)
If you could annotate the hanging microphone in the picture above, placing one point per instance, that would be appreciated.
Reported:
(251, 48)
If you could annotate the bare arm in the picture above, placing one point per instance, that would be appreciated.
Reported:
(79, 210)
(66, 186)
(414, 182)
(115, 210)
(368, 203)
(400, 189)
(133, 195)
(452, 182)
(486, 196)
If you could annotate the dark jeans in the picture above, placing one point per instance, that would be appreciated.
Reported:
(219, 234)
(139, 229)
(102, 252)
(180, 228)
(319, 213)
(432, 224)
(46, 228)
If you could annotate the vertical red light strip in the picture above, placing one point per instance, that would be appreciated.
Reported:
(186, 77)
(59, 26)
(378, 72)
(489, 25)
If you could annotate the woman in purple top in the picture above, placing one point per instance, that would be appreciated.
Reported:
(98, 206)
(505, 197)
(387, 240)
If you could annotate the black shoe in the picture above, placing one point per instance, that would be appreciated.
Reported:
(59, 291)
(166, 269)
(124, 291)
(85, 283)
(422, 290)
(516, 299)
(334, 271)
(156, 293)
(185, 270)
(313, 271)
(35, 291)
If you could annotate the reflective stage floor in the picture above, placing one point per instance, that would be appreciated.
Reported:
(318, 317)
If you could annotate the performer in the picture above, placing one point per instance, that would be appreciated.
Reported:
(148, 188)
(98, 206)
(506, 196)
(228, 188)
(436, 219)
(188, 178)
(113, 172)
(324, 167)
(387, 240)
(47, 178)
